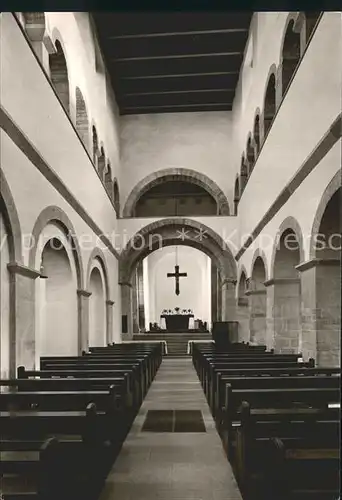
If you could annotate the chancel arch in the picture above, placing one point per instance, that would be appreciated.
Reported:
(59, 75)
(190, 185)
(257, 300)
(284, 327)
(167, 232)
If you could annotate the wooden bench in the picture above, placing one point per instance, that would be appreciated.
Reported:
(276, 382)
(306, 470)
(230, 417)
(258, 426)
(31, 473)
(84, 456)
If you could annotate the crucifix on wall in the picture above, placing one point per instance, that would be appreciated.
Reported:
(176, 275)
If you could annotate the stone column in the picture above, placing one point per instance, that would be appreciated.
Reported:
(83, 297)
(22, 316)
(135, 308)
(213, 293)
(269, 314)
(109, 318)
(228, 300)
(286, 314)
(321, 310)
(243, 319)
(219, 297)
(126, 309)
(257, 316)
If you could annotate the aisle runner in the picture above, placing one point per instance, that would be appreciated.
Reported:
(174, 421)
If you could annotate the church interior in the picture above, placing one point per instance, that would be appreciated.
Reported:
(170, 238)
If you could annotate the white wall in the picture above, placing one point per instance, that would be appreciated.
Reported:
(195, 289)
(200, 141)
(311, 104)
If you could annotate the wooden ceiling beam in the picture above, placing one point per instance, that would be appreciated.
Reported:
(176, 56)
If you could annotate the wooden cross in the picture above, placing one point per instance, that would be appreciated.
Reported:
(176, 275)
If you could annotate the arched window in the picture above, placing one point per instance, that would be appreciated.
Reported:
(101, 163)
(116, 198)
(243, 175)
(256, 134)
(311, 19)
(270, 104)
(109, 182)
(82, 124)
(95, 146)
(250, 156)
(236, 195)
(59, 75)
(291, 55)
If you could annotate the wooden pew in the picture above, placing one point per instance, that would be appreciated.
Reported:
(33, 470)
(208, 375)
(301, 369)
(230, 416)
(319, 427)
(84, 456)
(133, 382)
(259, 382)
(306, 470)
(85, 363)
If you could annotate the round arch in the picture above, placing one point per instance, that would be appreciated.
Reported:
(242, 271)
(97, 255)
(169, 232)
(56, 215)
(171, 174)
(11, 220)
(288, 223)
(259, 253)
(330, 190)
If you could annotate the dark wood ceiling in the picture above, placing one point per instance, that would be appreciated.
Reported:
(173, 62)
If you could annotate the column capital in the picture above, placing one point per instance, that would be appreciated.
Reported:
(28, 272)
(228, 281)
(125, 283)
(83, 293)
(281, 281)
(110, 302)
(255, 292)
(304, 266)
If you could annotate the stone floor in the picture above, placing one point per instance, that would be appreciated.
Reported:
(172, 466)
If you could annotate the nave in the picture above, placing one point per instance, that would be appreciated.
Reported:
(172, 465)
(124, 422)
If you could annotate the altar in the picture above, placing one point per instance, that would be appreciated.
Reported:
(177, 321)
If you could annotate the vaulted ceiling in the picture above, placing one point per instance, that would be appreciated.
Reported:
(173, 62)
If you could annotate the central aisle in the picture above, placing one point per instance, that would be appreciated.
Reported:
(172, 466)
